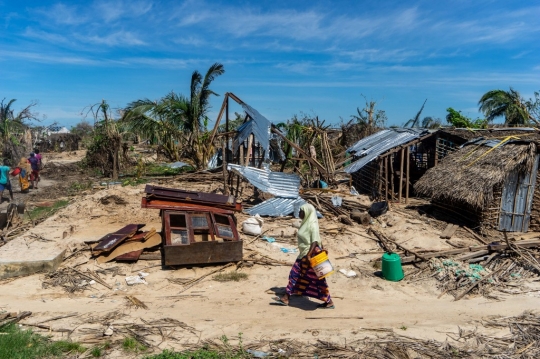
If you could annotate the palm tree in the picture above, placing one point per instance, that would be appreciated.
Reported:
(11, 124)
(160, 122)
(196, 119)
(510, 104)
(178, 123)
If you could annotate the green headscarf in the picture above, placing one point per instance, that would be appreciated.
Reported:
(309, 230)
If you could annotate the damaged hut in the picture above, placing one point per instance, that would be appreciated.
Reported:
(490, 183)
(387, 163)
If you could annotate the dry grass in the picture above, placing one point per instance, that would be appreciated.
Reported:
(230, 277)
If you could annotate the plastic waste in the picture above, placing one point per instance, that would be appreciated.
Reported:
(269, 239)
(258, 353)
(337, 201)
(135, 279)
(354, 192)
(253, 225)
(109, 331)
(347, 273)
(289, 250)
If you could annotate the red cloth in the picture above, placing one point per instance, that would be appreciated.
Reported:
(34, 175)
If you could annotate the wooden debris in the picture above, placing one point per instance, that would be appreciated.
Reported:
(135, 302)
(449, 231)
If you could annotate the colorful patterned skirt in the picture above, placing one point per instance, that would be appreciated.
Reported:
(304, 281)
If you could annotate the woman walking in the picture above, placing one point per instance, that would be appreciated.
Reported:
(302, 278)
(24, 174)
(34, 175)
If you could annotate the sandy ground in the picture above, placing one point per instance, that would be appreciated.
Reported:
(216, 308)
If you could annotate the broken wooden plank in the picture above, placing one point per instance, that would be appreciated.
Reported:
(449, 231)
(130, 247)
(470, 255)
(130, 256)
(520, 244)
(111, 240)
(445, 253)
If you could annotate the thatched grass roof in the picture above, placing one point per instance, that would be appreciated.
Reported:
(471, 173)
(496, 133)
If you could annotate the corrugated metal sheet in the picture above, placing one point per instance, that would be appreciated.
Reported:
(517, 198)
(369, 148)
(279, 184)
(258, 125)
(276, 207)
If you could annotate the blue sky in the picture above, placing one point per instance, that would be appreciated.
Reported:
(281, 57)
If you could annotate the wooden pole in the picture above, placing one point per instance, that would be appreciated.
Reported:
(286, 158)
(402, 152)
(249, 149)
(313, 161)
(218, 120)
(224, 157)
(392, 175)
(226, 128)
(407, 180)
(386, 177)
(241, 149)
(380, 162)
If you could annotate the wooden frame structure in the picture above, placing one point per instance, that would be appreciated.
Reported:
(197, 228)
(392, 174)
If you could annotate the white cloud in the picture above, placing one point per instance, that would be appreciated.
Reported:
(120, 38)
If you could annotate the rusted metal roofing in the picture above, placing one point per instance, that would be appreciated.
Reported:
(111, 240)
(285, 185)
(369, 148)
(159, 194)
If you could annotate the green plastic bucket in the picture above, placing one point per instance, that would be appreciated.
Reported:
(391, 267)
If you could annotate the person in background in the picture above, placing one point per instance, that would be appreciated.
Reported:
(4, 180)
(302, 279)
(38, 156)
(34, 175)
(24, 170)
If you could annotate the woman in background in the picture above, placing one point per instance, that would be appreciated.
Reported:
(24, 174)
(34, 175)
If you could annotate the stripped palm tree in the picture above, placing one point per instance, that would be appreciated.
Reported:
(510, 104)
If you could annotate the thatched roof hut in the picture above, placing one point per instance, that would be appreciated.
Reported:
(485, 177)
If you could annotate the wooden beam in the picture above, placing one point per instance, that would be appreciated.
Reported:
(301, 151)
(218, 120)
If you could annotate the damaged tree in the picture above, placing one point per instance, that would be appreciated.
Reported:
(13, 127)
(104, 150)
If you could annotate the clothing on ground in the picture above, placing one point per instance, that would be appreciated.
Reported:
(308, 231)
(304, 281)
